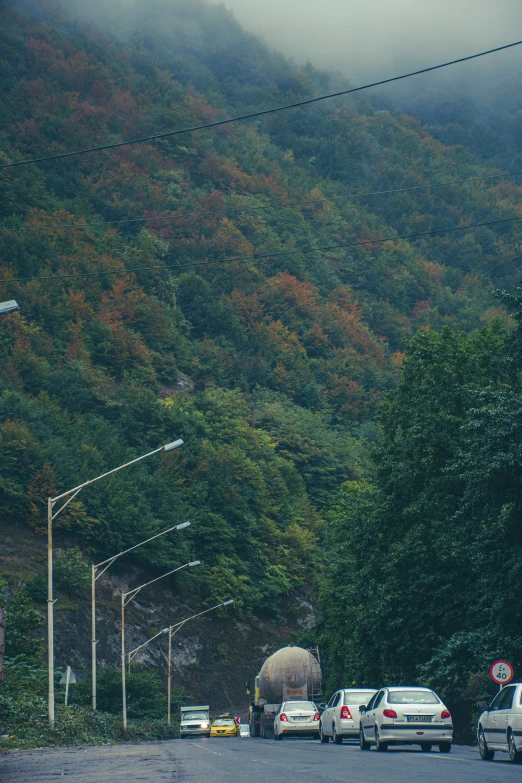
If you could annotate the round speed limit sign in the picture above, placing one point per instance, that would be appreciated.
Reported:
(501, 672)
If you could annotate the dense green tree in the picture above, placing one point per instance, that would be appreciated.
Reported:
(425, 562)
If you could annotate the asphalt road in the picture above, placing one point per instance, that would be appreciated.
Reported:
(252, 761)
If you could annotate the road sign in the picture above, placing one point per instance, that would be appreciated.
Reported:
(68, 675)
(69, 678)
(501, 672)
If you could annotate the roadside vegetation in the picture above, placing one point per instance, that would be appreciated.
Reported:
(24, 721)
(424, 556)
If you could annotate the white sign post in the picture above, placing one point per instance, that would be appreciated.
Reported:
(69, 678)
(501, 672)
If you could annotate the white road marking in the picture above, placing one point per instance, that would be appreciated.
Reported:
(449, 758)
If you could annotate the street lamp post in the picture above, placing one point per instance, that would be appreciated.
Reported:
(51, 502)
(172, 632)
(126, 598)
(132, 653)
(94, 578)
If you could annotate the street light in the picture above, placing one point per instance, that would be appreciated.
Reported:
(71, 494)
(174, 445)
(9, 307)
(133, 653)
(172, 632)
(94, 578)
(126, 598)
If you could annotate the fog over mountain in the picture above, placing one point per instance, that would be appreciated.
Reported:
(367, 38)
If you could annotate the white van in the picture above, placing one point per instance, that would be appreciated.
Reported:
(195, 721)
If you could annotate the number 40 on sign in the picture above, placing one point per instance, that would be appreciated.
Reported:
(501, 672)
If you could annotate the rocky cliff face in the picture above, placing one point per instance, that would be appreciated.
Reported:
(212, 657)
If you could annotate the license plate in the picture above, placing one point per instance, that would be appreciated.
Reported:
(419, 718)
(299, 717)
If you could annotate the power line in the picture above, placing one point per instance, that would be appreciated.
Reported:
(261, 113)
(241, 210)
(265, 255)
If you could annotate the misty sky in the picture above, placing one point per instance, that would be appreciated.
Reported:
(365, 36)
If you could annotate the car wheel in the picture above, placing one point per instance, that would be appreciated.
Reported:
(445, 747)
(380, 746)
(514, 754)
(322, 736)
(485, 753)
(275, 733)
(363, 744)
(337, 738)
(426, 747)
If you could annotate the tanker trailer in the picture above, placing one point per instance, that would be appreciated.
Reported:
(290, 674)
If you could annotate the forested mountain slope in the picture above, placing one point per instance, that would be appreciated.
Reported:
(267, 357)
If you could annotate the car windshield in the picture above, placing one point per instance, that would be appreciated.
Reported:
(412, 697)
(195, 716)
(224, 722)
(294, 706)
(356, 698)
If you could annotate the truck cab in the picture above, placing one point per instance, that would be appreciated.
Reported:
(195, 721)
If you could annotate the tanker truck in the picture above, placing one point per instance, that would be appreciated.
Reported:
(290, 674)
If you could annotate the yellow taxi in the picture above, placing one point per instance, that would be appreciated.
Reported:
(224, 726)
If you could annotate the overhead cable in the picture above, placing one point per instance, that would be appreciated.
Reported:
(257, 257)
(261, 113)
(241, 210)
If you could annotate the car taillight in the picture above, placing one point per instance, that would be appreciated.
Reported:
(346, 714)
(283, 717)
(317, 716)
(445, 714)
(389, 713)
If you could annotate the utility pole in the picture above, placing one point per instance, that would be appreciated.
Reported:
(173, 629)
(126, 598)
(50, 612)
(2, 643)
(51, 516)
(95, 575)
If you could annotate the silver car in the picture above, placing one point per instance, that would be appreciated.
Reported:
(340, 717)
(296, 718)
(500, 725)
(405, 716)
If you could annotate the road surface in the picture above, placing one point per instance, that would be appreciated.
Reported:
(251, 761)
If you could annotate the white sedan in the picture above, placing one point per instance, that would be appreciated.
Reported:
(405, 716)
(340, 718)
(296, 718)
(500, 725)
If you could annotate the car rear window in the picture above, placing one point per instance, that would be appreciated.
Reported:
(292, 706)
(412, 697)
(355, 698)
